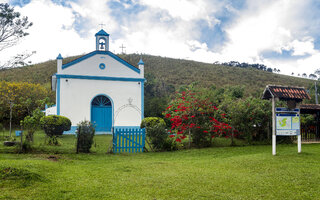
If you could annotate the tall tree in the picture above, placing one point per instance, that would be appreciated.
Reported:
(12, 26)
(313, 76)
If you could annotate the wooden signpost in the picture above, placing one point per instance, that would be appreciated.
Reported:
(285, 121)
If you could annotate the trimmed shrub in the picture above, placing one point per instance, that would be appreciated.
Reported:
(157, 133)
(55, 125)
(85, 133)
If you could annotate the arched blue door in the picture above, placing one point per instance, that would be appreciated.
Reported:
(101, 113)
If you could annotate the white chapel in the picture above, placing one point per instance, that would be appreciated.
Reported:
(99, 87)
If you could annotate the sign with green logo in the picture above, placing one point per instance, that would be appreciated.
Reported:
(287, 124)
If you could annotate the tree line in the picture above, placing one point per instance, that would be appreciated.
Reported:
(247, 65)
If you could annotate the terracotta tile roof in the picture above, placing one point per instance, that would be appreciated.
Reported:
(309, 108)
(285, 93)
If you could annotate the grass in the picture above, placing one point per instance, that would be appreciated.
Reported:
(246, 172)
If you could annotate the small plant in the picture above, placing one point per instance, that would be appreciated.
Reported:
(54, 126)
(85, 133)
(32, 123)
(157, 133)
(25, 147)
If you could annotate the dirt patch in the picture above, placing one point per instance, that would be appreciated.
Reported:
(53, 158)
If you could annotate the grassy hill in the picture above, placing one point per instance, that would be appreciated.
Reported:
(172, 72)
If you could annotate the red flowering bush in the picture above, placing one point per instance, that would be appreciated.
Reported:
(192, 117)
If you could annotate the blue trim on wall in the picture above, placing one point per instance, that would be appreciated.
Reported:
(103, 133)
(111, 106)
(102, 53)
(46, 106)
(123, 62)
(142, 100)
(79, 59)
(71, 131)
(100, 78)
(58, 96)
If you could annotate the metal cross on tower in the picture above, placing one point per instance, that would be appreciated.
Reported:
(122, 47)
(102, 24)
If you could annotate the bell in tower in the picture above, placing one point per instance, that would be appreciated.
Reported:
(102, 41)
(102, 44)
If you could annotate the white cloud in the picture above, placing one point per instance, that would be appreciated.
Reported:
(184, 9)
(303, 47)
(169, 28)
(52, 32)
(95, 13)
(255, 32)
(271, 26)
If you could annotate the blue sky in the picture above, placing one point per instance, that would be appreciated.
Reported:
(281, 34)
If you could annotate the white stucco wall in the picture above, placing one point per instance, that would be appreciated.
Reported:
(76, 96)
(51, 111)
(90, 66)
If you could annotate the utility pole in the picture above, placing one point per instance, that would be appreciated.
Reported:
(316, 91)
(317, 117)
(11, 106)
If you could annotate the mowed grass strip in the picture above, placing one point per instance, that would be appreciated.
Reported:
(248, 172)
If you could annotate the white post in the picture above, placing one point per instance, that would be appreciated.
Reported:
(299, 136)
(274, 139)
(299, 143)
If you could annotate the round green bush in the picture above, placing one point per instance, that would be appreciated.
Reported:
(149, 122)
(157, 133)
(54, 125)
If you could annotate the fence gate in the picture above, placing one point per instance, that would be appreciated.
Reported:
(309, 134)
(128, 140)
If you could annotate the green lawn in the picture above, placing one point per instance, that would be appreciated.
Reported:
(246, 172)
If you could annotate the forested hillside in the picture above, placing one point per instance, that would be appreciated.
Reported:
(165, 76)
(168, 73)
(179, 72)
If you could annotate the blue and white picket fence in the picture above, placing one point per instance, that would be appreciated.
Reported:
(129, 140)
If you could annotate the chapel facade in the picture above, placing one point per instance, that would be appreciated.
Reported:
(99, 87)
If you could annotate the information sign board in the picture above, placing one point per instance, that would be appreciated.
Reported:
(287, 124)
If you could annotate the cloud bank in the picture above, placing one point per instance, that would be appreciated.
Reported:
(278, 33)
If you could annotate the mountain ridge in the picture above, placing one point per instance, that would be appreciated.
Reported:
(173, 72)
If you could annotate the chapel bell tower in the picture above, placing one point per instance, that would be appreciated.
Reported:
(102, 41)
